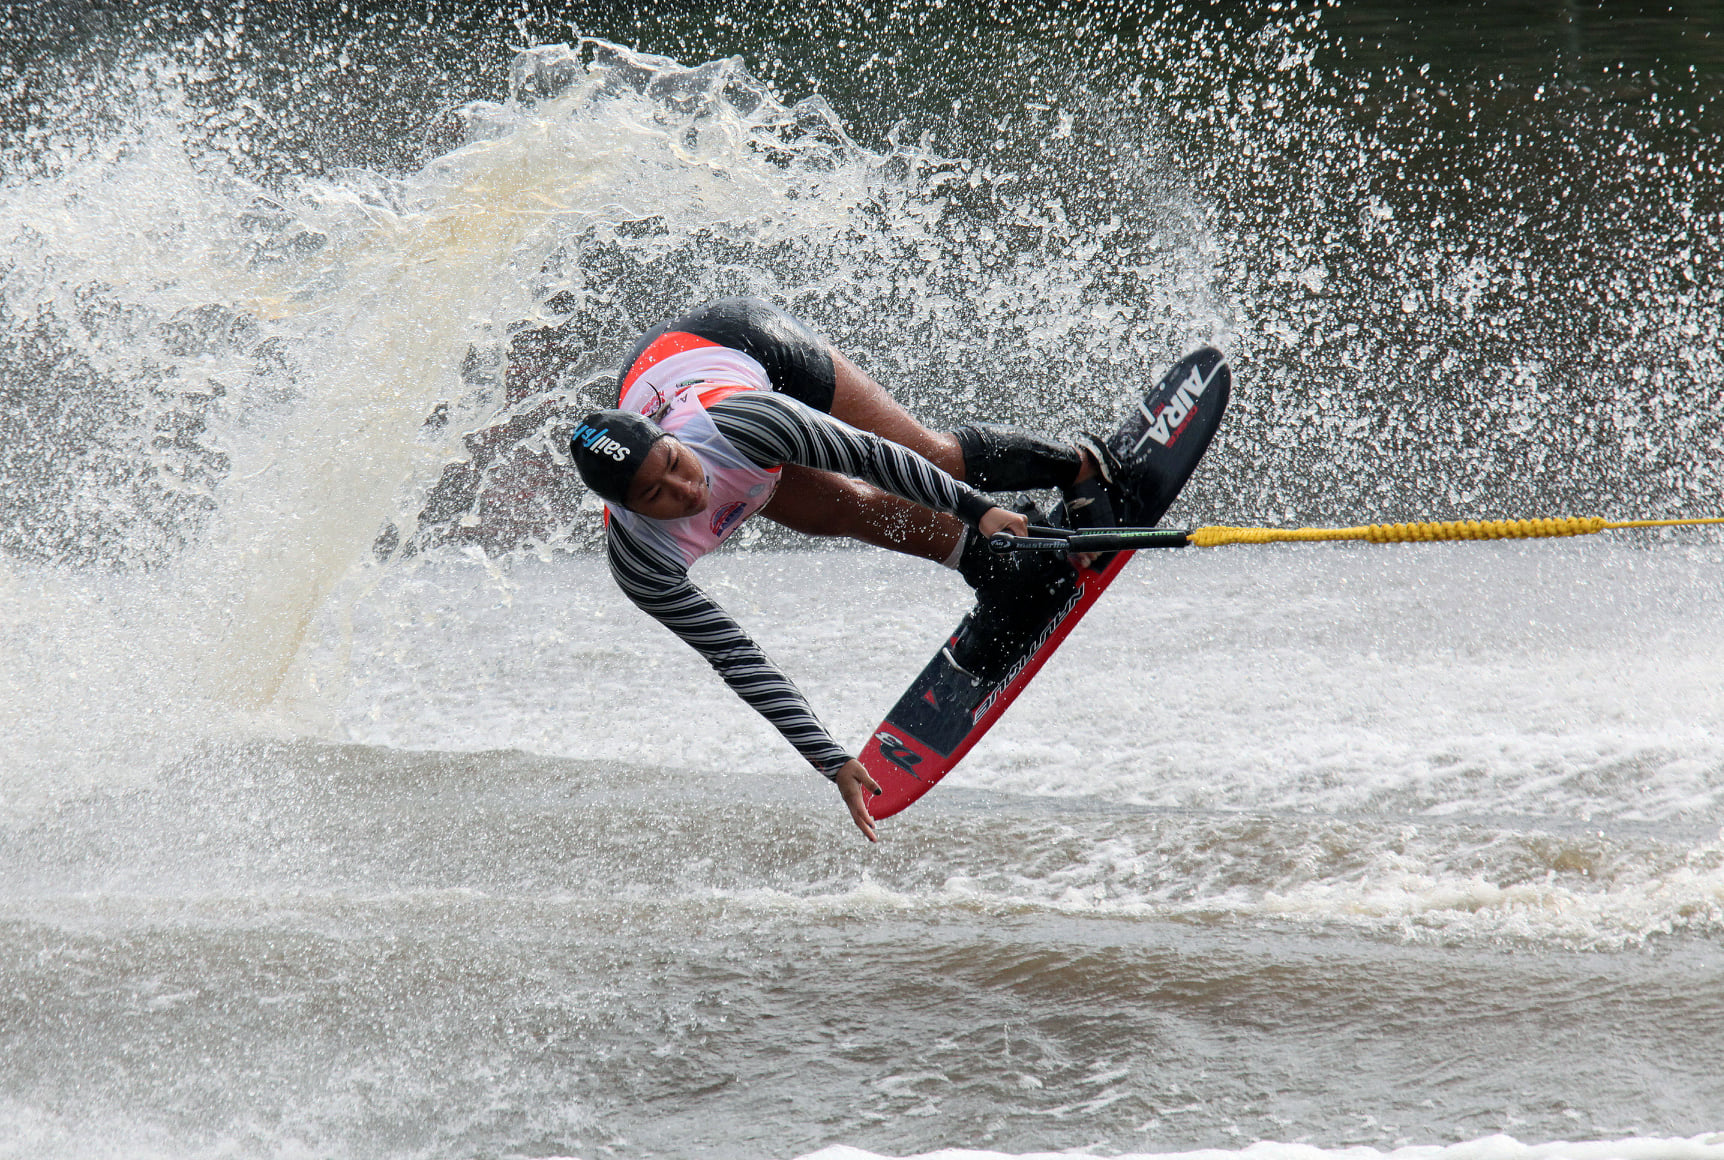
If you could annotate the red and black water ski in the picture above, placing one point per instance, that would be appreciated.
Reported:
(946, 710)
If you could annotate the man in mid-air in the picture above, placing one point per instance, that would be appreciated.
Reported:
(737, 408)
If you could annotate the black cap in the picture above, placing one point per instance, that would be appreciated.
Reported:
(608, 447)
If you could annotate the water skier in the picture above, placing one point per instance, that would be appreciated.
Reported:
(737, 408)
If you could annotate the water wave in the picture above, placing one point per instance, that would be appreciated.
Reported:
(1703, 1147)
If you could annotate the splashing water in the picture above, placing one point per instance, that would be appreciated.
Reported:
(240, 387)
(239, 382)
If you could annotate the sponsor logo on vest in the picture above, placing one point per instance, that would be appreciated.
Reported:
(601, 442)
(726, 517)
(893, 749)
(1166, 424)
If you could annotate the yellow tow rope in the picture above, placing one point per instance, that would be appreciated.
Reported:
(1215, 537)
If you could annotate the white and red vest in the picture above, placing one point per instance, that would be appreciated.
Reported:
(672, 383)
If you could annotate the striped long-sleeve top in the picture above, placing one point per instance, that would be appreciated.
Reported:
(773, 429)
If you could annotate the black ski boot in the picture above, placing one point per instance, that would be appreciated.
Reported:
(1099, 501)
(1017, 594)
(1002, 458)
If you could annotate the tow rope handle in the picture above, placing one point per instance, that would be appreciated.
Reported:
(1043, 539)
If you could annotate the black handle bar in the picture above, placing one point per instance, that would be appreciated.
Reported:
(1099, 540)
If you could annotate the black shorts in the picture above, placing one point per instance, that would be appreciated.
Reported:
(797, 360)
